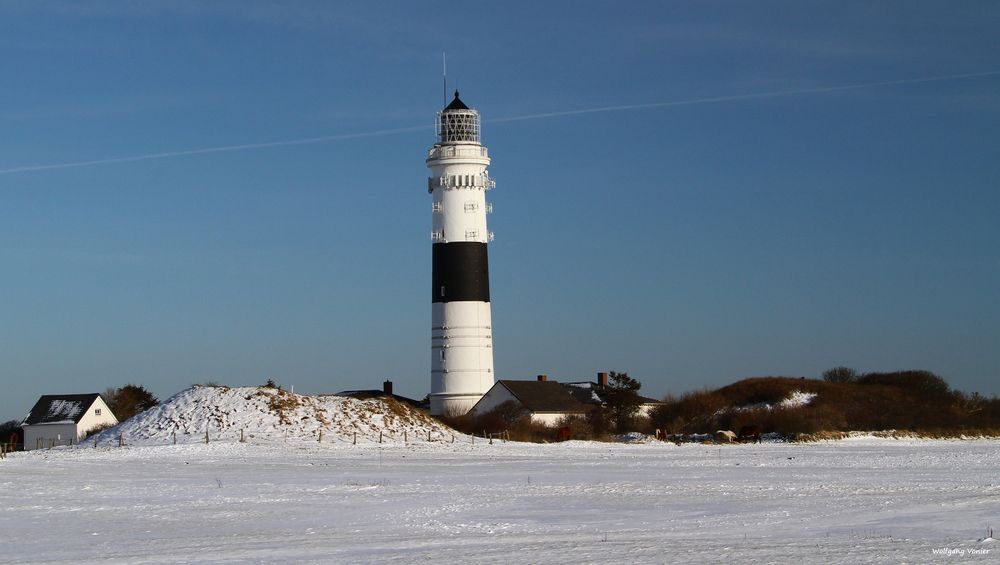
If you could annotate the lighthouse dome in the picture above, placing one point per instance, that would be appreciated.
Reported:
(456, 104)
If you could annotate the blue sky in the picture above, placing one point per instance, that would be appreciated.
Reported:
(689, 244)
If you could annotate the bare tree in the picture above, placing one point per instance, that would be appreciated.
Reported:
(840, 375)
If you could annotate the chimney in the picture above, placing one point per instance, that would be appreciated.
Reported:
(602, 380)
(543, 378)
(387, 387)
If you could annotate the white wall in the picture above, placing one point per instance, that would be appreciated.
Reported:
(61, 434)
(461, 349)
(493, 398)
(550, 418)
(92, 419)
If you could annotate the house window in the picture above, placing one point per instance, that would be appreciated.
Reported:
(97, 411)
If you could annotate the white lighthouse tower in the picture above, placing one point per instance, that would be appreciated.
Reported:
(461, 326)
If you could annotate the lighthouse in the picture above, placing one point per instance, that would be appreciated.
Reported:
(461, 325)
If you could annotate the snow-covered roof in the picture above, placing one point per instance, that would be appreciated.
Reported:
(60, 409)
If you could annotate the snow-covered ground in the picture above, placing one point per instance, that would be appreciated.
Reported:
(854, 501)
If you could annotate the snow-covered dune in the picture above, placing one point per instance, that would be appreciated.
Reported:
(263, 413)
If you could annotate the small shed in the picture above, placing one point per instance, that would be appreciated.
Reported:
(65, 419)
(547, 401)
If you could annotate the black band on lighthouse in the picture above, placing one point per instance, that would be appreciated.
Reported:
(460, 272)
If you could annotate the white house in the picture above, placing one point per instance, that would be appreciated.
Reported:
(546, 401)
(64, 419)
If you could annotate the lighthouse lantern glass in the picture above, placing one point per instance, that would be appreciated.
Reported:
(458, 126)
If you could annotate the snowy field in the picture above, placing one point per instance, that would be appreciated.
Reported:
(862, 500)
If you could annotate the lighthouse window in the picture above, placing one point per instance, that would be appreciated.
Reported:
(471, 206)
(442, 354)
(436, 207)
(442, 291)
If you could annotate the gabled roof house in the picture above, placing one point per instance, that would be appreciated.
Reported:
(546, 401)
(550, 401)
(64, 419)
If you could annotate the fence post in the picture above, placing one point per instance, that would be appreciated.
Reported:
(121, 440)
(241, 435)
(428, 435)
(355, 442)
(404, 437)
(380, 436)
(206, 436)
(175, 438)
(320, 440)
(95, 441)
(452, 438)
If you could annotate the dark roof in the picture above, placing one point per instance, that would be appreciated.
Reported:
(543, 396)
(375, 393)
(56, 408)
(586, 391)
(456, 104)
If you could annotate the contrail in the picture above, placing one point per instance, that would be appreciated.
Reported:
(328, 138)
(218, 149)
(717, 99)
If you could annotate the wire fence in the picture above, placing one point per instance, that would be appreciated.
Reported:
(406, 437)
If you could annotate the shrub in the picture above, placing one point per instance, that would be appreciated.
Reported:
(693, 412)
(579, 427)
(920, 383)
(840, 375)
(97, 429)
(510, 418)
(905, 400)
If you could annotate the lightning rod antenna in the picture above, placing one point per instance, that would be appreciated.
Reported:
(444, 77)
